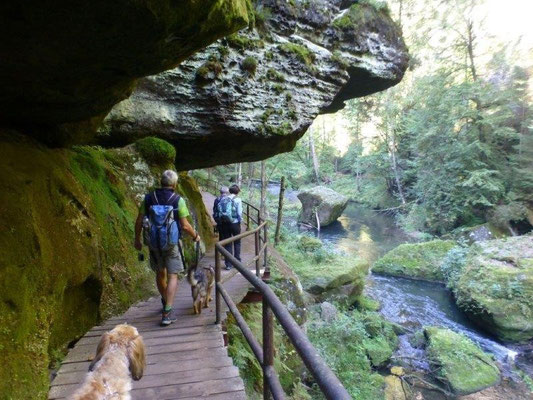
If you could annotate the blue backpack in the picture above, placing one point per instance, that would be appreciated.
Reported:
(226, 213)
(163, 232)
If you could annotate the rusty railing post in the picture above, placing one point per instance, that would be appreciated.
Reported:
(265, 254)
(247, 216)
(268, 347)
(218, 299)
(257, 262)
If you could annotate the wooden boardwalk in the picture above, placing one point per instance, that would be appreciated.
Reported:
(186, 360)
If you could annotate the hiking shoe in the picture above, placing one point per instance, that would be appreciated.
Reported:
(227, 267)
(168, 318)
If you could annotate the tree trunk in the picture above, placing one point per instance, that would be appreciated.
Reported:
(239, 174)
(280, 210)
(262, 206)
(396, 174)
(314, 158)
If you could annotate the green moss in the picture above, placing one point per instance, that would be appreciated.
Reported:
(301, 53)
(309, 244)
(365, 303)
(321, 271)
(241, 42)
(495, 287)
(269, 55)
(420, 260)
(340, 60)
(208, 71)
(277, 88)
(249, 64)
(67, 256)
(274, 75)
(223, 51)
(360, 13)
(156, 151)
(460, 364)
(66, 245)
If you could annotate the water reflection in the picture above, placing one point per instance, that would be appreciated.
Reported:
(363, 232)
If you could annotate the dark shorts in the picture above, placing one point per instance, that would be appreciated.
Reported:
(169, 260)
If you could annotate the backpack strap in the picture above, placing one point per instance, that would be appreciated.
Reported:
(155, 197)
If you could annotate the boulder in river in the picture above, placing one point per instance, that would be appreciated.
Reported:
(321, 201)
(495, 287)
(419, 260)
(458, 362)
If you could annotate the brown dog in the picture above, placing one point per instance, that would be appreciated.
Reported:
(202, 280)
(120, 356)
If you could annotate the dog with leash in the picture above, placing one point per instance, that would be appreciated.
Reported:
(120, 357)
(201, 280)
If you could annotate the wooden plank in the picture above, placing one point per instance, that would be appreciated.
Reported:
(161, 380)
(66, 378)
(198, 389)
(159, 358)
(87, 353)
(240, 395)
(172, 330)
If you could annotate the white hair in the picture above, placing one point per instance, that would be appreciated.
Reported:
(169, 178)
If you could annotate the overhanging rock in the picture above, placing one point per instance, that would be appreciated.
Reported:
(254, 94)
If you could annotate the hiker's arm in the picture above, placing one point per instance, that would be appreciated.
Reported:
(138, 230)
(185, 226)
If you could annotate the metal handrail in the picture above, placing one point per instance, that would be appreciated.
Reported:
(326, 379)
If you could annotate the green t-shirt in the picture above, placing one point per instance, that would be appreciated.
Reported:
(183, 211)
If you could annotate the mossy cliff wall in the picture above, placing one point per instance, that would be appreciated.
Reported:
(66, 249)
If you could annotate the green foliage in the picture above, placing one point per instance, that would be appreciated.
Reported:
(156, 151)
(286, 361)
(452, 265)
(320, 269)
(346, 346)
(249, 64)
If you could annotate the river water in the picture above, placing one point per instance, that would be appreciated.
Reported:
(410, 303)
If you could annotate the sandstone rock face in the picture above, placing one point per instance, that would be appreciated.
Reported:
(325, 201)
(495, 287)
(66, 248)
(64, 65)
(252, 95)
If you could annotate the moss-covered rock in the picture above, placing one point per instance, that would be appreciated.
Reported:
(495, 287)
(323, 202)
(156, 151)
(195, 107)
(420, 260)
(66, 251)
(459, 363)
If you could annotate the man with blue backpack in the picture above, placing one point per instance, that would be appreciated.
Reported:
(162, 217)
(229, 215)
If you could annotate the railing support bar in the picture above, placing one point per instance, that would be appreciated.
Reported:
(218, 304)
(268, 347)
(249, 336)
(257, 263)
